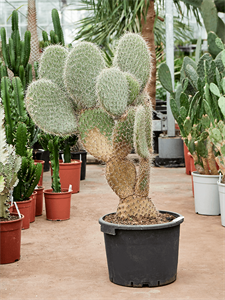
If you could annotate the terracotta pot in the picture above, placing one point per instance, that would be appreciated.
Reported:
(40, 183)
(39, 201)
(187, 160)
(10, 240)
(69, 173)
(57, 205)
(33, 207)
(24, 208)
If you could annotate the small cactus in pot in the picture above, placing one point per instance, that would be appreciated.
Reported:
(107, 107)
(10, 164)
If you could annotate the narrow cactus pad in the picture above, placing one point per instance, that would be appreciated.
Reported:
(121, 176)
(123, 134)
(84, 63)
(112, 91)
(96, 127)
(142, 185)
(132, 56)
(136, 206)
(43, 100)
(140, 139)
(52, 64)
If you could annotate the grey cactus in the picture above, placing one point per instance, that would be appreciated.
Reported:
(109, 110)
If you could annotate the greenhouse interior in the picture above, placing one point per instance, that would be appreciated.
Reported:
(112, 149)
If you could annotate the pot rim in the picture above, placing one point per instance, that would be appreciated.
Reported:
(12, 221)
(220, 183)
(63, 190)
(111, 228)
(195, 173)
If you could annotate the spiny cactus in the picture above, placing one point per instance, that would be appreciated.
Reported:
(83, 65)
(17, 52)
(194, 112)
(114, 115)
(51, 143)
(9, 166)
(56, 35)
(20, 132)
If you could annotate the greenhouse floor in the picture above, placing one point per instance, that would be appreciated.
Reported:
(66, 259)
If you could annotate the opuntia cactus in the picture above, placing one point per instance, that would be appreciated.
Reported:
(9, 166)
(113, 114)
(197, 104)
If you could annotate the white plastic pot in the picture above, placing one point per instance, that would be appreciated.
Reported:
(221, 188)
(206, 194)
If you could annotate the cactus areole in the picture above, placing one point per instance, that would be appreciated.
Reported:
(108, 108)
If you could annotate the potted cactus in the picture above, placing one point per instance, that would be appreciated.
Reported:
(110, 110)
(57, 199)
(10, 223)
(21, 132)
(195, 107)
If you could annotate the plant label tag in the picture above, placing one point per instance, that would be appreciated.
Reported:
(70, 188)
(11, 196)
(18, 210)
(220, 177)
(80, 158)
(63, 157)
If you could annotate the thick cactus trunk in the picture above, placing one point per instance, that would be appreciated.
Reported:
(4, 205)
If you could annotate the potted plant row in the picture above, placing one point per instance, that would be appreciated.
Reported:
(21, 133)
(110, 110)
(195, 107)
(10, 223)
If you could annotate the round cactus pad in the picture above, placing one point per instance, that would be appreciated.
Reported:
(50, 108)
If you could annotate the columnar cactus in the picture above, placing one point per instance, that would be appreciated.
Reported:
(9, 166)
(195, 105)
(17, 52)
(20, 132)
(112, 110)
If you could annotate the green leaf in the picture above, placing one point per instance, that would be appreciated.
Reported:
(221, 103)
(219, 43)
(214, 89)
(223, 84)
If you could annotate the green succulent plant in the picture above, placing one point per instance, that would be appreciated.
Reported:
(17, 52)
(10, 164)
(110, 112)
(196, 105)
(21, 132)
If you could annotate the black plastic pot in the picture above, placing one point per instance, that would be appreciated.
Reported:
(40, 154)
(83, 155)
(142, 255)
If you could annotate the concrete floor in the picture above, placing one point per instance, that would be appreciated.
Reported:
(66, 260)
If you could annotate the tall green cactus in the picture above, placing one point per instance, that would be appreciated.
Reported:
(17, 52)
(9, 166)
(51, 143)
(194, 113)
(20, 132)
(56, 35)
(112, 111)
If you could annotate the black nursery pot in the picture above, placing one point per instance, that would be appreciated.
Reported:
(142, 255)
(83, 155)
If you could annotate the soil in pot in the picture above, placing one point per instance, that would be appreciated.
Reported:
(10, 239)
